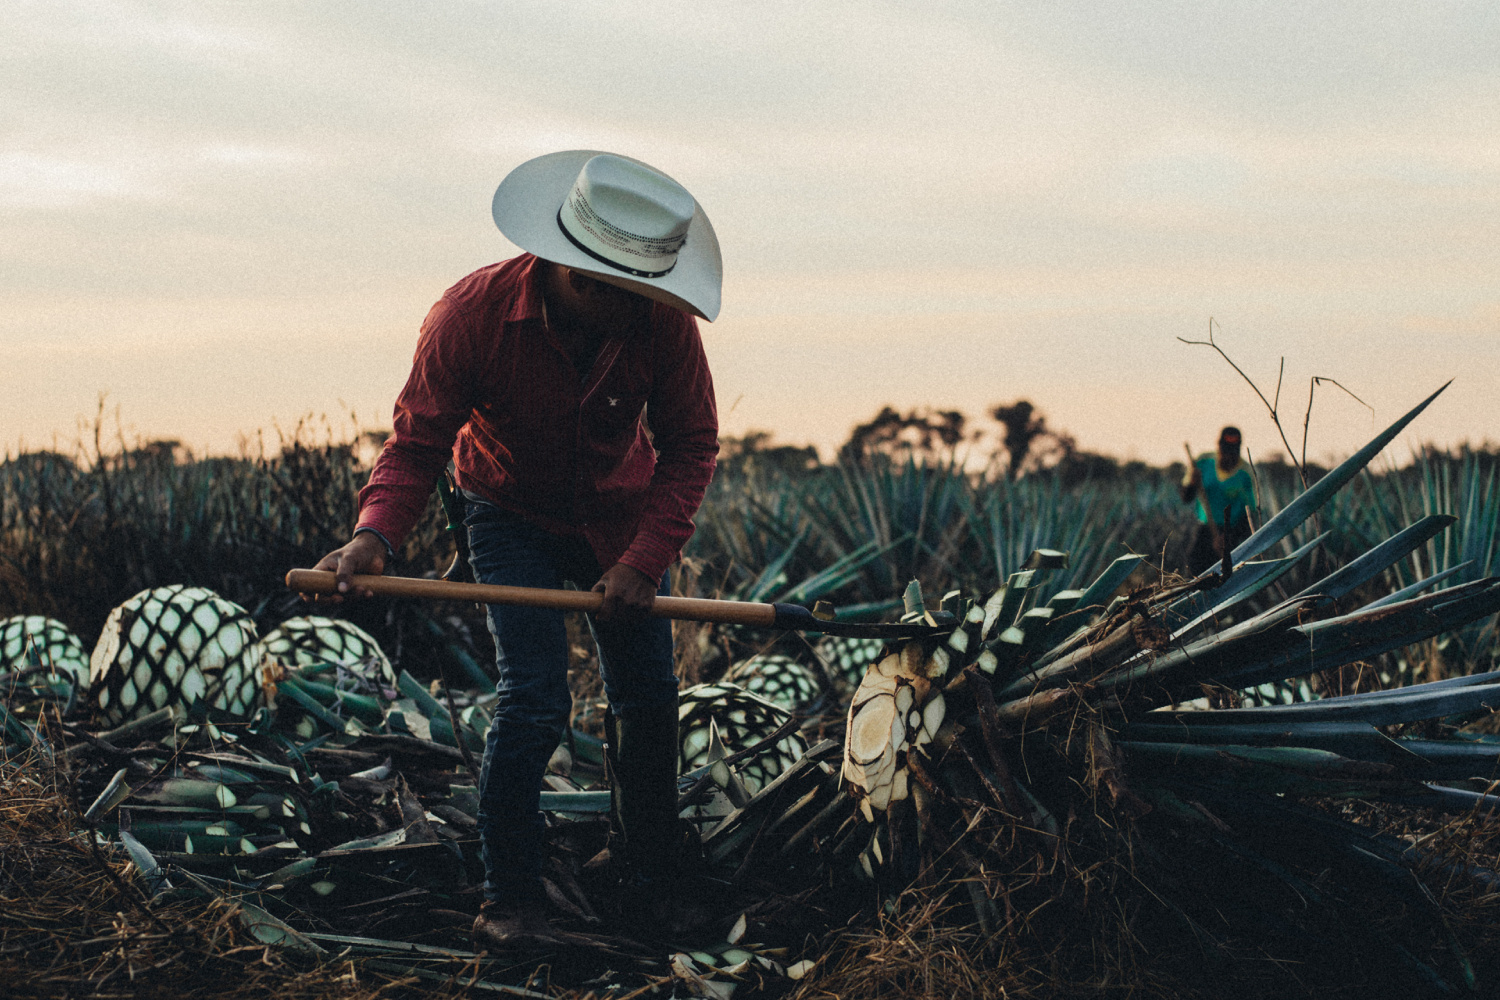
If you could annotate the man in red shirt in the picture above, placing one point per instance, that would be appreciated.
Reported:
(538, 377)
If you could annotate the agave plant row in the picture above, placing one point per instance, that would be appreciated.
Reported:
(80, 534)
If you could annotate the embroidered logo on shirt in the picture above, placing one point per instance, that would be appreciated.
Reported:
(613, 401)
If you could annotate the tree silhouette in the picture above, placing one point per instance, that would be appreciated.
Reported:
(921, 433)
(1023, 425)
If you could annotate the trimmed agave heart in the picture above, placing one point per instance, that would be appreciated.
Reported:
(50, 640)
(779, 679)
(742, 719)
(847, 658)
(174, 646)
(895, 710)
(312, 639)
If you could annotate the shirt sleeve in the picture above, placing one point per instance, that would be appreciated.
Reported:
(685, 427)
(432, 408)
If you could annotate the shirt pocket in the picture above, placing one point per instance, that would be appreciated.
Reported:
(607, 417)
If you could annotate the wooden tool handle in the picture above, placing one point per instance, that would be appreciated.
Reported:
(310, 581)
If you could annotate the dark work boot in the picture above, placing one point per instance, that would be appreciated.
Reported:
(644, 763)
(521, 925)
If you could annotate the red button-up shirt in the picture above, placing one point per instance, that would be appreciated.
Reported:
(493, 388)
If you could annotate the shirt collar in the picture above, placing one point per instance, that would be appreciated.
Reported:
(1227, 473)
(527, 302)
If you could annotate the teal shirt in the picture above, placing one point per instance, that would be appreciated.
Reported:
(1237, 492)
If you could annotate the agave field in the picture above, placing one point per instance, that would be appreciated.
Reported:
(1079, 773)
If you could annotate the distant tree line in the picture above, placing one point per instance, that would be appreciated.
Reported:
(1021, 444)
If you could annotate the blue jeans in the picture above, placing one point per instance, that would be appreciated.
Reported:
(531, 657)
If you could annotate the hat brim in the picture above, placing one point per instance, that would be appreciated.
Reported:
(525, 210)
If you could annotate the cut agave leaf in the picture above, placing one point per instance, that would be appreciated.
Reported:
(114, 792)
(895, 710)
(145, 863)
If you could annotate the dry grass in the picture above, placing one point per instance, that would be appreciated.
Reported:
(74, 922)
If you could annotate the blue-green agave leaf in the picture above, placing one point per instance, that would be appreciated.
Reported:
(1316, 495)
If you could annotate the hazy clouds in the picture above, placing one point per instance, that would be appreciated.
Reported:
(223, 214)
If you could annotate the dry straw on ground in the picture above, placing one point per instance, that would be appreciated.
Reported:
(75, 922)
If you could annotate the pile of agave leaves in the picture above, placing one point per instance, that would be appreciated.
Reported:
(1089, 796)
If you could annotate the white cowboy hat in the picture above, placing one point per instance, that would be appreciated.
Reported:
(615, 219)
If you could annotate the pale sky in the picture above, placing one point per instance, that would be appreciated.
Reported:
(228, 215)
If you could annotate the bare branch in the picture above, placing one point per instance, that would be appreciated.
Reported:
(1312, 386)
(1210, 343)
(1270, 407)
